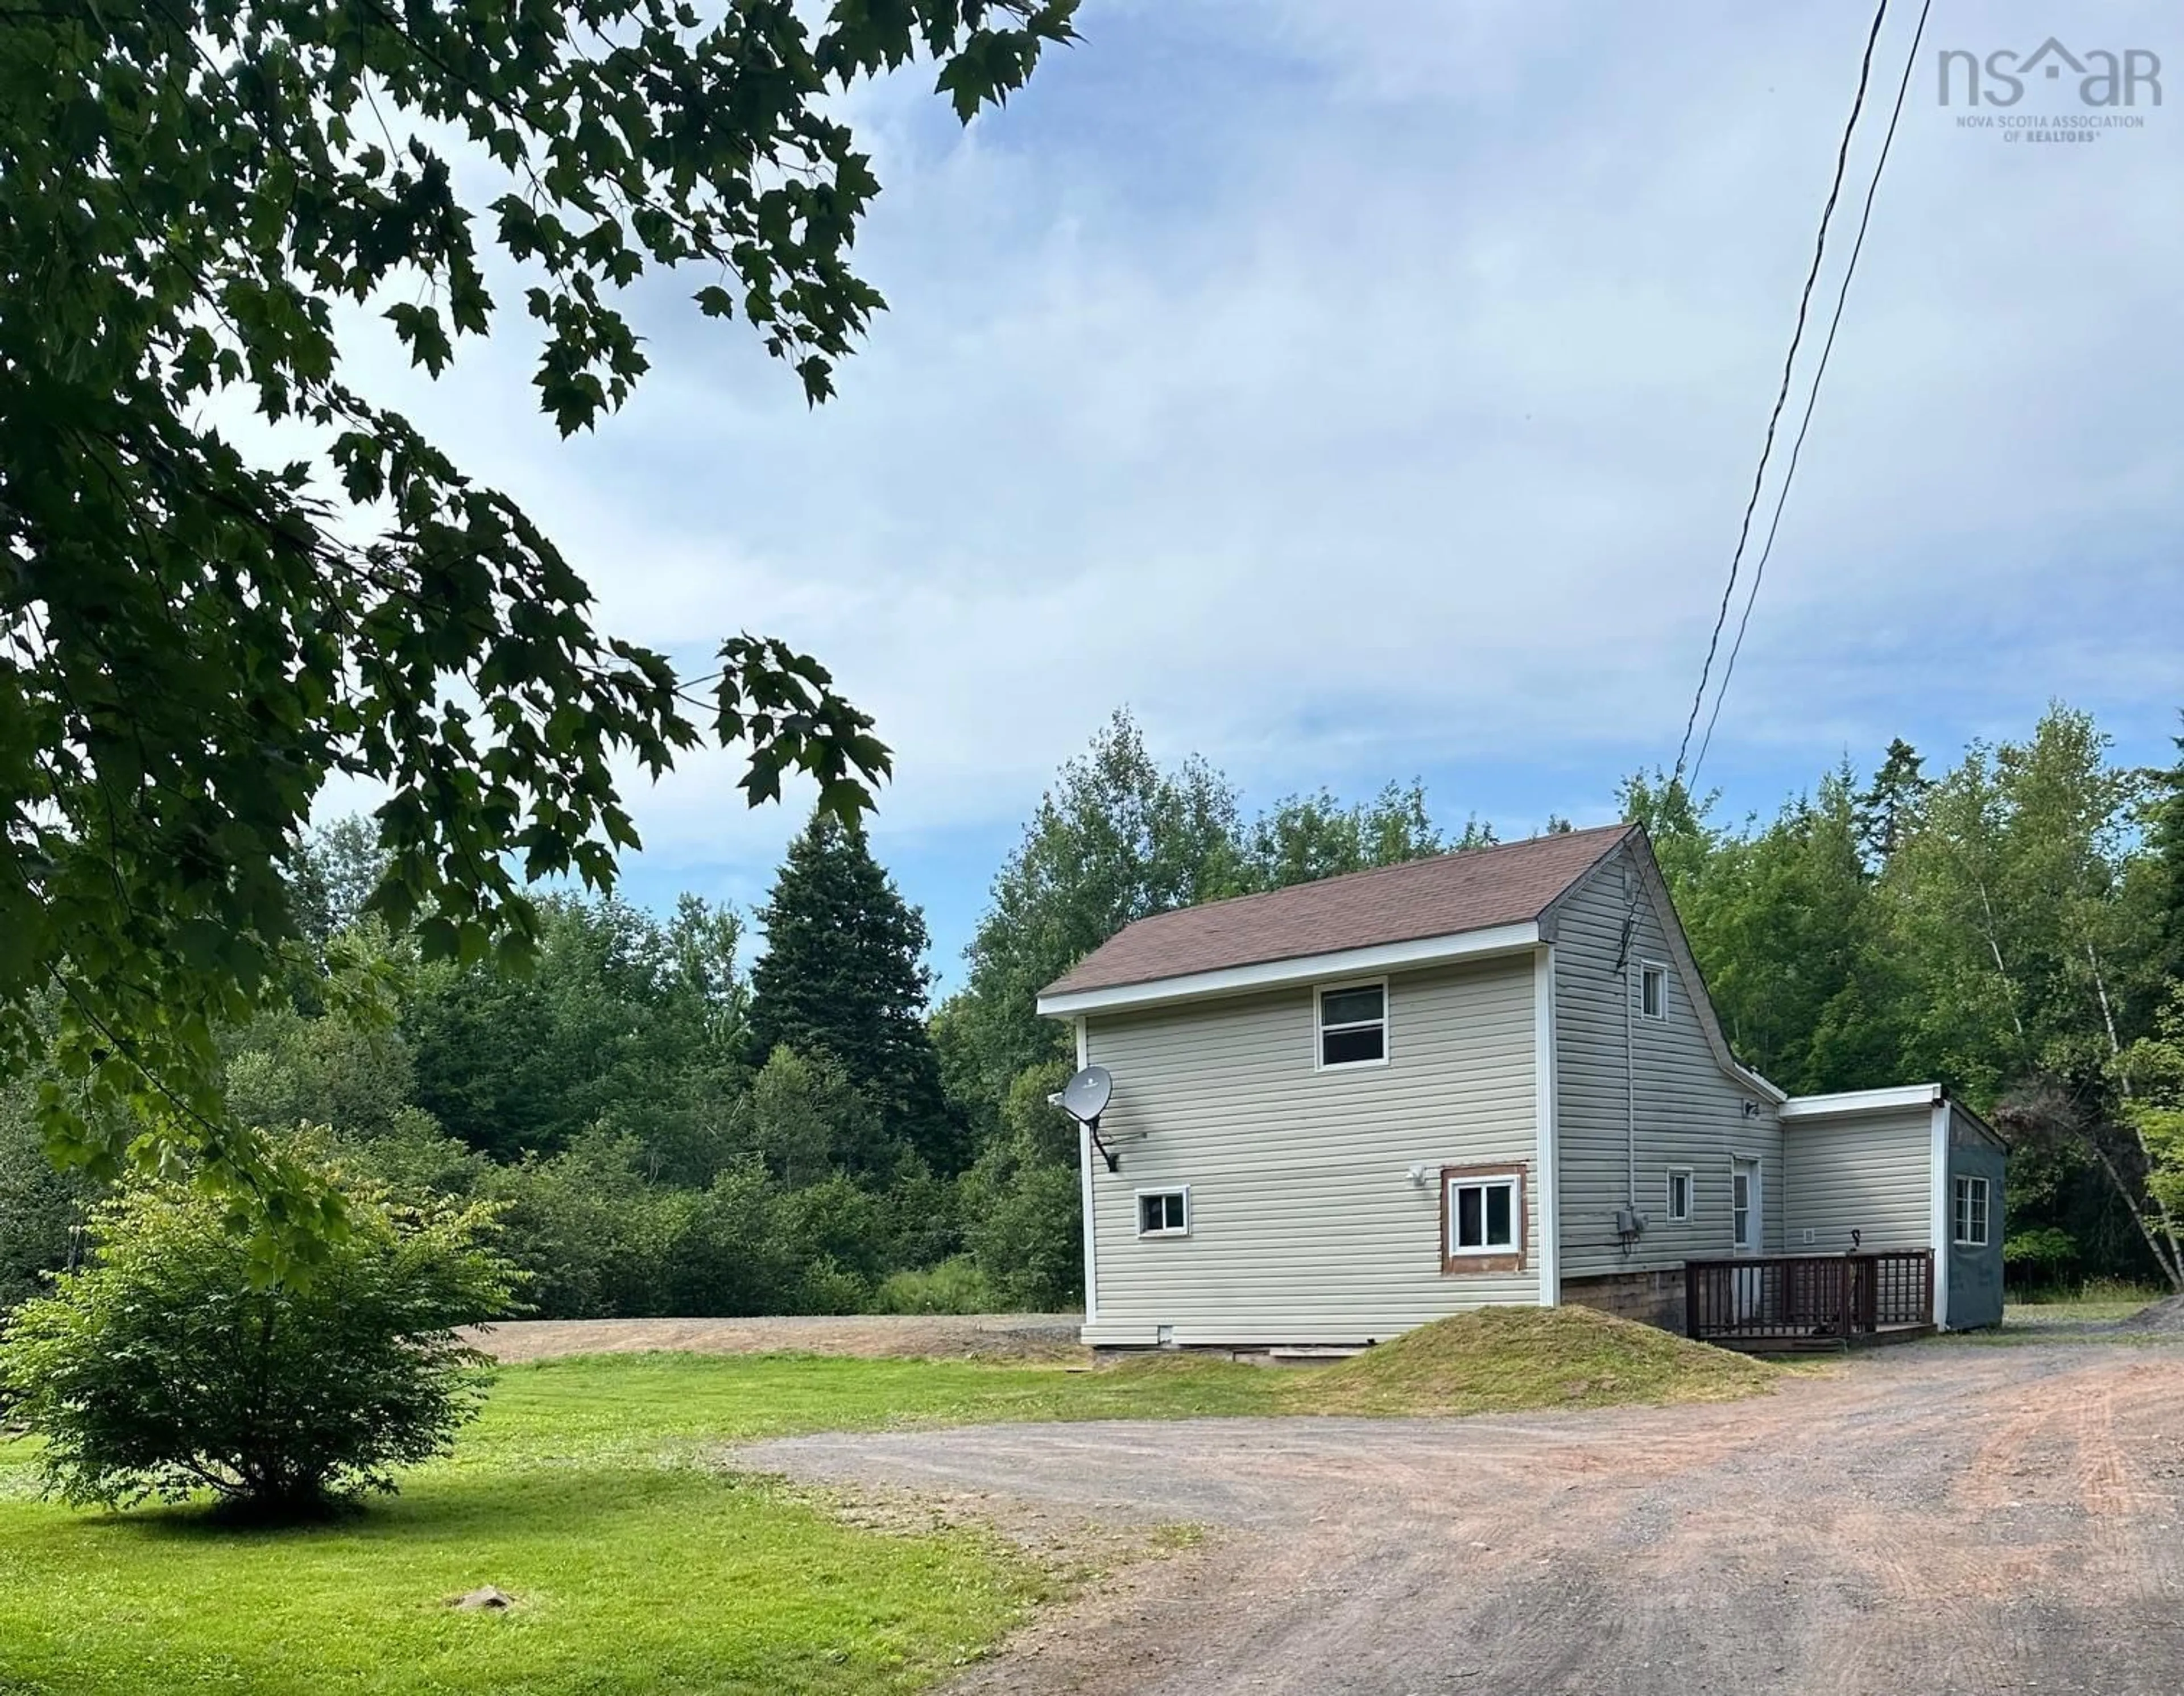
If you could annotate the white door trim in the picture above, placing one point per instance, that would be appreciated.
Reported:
(1943, 1230)
(1751, 1168)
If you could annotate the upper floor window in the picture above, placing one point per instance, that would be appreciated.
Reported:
(1353, 1025)
(1653, 991)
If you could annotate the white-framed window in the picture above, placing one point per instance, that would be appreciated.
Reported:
(1164, 1212)
(1482, 1219)
(1971, 1225)
(1351, 1021)
(1679, 1195)
(1652, 990)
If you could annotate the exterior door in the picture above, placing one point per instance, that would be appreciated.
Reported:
(1744, 1235)
(1975, 1249)
(1744, 1209)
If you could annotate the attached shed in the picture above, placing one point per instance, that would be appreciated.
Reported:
(1883, 1170)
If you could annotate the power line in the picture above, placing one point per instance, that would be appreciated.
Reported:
(1782, 393)
(1842, 294)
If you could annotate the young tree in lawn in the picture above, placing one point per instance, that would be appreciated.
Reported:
(195, 637)
(167, 1364)
(843, 976)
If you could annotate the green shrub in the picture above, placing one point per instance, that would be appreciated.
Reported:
(825, 1286)
(593, 1235)
(730, 1258)
(955, 1285)
(163, 1367)
(1029, 1239)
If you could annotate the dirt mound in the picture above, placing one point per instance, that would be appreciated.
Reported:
(1500, 1359)
(2165, 1317)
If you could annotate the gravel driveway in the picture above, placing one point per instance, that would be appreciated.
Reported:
(1943, 1517)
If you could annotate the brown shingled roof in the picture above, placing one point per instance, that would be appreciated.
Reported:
(1476, 889)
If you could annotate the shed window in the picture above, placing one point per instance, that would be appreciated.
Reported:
(1164, 1212)
(1653, 991)
(1971, 1213)
(1679, 1194)
(1353, 1025)
(1482, 1219)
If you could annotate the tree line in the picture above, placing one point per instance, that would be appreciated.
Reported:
(660, 1127)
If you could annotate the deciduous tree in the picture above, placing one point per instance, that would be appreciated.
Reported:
(1116, 837)
(195, 636)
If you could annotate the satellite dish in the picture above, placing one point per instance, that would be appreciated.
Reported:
(1084, 1097)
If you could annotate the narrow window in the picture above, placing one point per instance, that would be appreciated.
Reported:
(1740, 1209)
(1971, 1213)
(1679, 1194)
(1164, 1212)
(1483, 1224)
(1353, 1026)
(1653, 991)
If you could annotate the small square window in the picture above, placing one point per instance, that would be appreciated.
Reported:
(1164, 1212)
(1679, 1194)
(1484, 1219)
(1353, 1026)
(1971, 1209)
(1653, 991)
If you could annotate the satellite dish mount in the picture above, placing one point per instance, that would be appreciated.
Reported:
(1084, 1097)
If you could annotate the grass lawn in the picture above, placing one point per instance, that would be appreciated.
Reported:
(587, 1492)
(2106, 1301)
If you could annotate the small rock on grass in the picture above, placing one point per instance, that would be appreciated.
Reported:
(485, 1599)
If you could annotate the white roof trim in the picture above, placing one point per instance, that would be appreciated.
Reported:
(1268, 975)
(1847, 1102)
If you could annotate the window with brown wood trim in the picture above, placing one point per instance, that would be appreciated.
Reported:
(1482, 1217)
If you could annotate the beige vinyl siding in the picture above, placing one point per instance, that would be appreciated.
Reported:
(1304, 1227)
(1690, 1111)
(1872, 1174)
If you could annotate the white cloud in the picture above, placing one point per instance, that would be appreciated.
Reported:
(1358, 389)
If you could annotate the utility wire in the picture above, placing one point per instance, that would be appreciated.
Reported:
(1782, 393)
(1850, 270)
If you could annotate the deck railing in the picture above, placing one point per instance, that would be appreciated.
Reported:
(1794, 1298)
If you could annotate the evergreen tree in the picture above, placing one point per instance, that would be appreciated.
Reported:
(844, 976)
(1887, 810)
(2164, 838)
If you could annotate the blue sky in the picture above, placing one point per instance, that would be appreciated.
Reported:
(1369, 390)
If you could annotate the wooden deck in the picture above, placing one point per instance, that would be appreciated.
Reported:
(1810, 1302)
